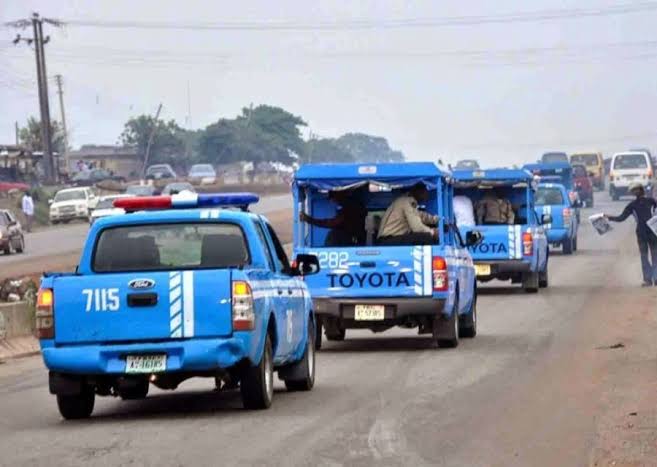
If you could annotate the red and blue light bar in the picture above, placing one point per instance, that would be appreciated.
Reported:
(187, 200)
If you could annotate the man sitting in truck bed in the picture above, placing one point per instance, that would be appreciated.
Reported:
(404, 224)
(494, 209)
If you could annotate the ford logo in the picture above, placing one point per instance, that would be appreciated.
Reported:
(141, 284)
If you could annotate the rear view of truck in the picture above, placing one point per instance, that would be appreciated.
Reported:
(552, 201)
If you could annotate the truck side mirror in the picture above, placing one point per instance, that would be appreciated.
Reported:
(305, 265)
(473, 238)
(546, 219)
(49, 202)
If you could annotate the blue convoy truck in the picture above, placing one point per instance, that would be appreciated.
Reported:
(552, 200)
(516, 251)
(177, 290)
(368, 285)
(561, 173)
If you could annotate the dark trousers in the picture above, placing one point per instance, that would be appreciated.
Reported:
(415, 238)
(648, 251)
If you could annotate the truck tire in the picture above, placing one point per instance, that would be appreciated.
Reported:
(318, 334)
(257, 382)
(446, 331)
(614, 194)
(568, 246)
(530, 282)
(590, 203)
(21, 246)
(575, 243)
(543, 278)
(77, 406)
(304, 370)
(140, 391)
(468, 322)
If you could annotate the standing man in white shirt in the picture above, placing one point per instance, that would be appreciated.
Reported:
(28, 210)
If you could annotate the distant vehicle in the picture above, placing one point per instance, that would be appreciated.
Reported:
(160, 171)
(8, 186)
(140, 190)
(203, 174)
(11, 233)
(188, 291)
(467, 164)
(178, 187)
(553, 200)
(105, 207)
(582, 184)
(549, 157)
(72, 203)
(627, 168)
(595, 166)
(91, 177)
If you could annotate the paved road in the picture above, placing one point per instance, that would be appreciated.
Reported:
(521, 393)
(70, 238)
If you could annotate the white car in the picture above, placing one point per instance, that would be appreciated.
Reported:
(627, 168)
(72, 203)
(203, 173)
(105, 207)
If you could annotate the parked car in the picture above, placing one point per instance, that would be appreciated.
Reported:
(72, 203)
(583, 185)
(141, 190)
(160, 171)
(105, 207)
(178, 187)
(91, 177)
(11, 233)
(203, 174)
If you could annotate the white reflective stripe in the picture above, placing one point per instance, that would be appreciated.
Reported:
(518, 242)
(427, 270)
(188, 303)
(511, 242)
(175, 305)
(417, 269)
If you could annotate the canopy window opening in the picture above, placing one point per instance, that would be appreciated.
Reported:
(549, 196)
(492, 204)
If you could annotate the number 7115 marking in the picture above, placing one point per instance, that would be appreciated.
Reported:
(101, 299)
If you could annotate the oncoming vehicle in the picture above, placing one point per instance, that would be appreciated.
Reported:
(178, 187)
(160, 171)
(594, 164)
(501, 204)
(627, 168)
(466, 164)
(376, 286)
(188, 290)
(551, 157)
(140, 190)
(72, 203)
(582, 184)
(552, 200)
(204, 174)
(11, 233)
(105, 207)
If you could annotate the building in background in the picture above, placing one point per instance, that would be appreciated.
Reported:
(121, 160)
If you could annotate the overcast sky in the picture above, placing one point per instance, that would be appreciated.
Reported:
(586, 82)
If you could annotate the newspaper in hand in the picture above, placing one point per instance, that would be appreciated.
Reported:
(600, 223)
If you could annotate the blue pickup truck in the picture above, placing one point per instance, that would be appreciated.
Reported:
(369, 285)
(560, 173)
(178, 288)
(552, 201)
(517, 250)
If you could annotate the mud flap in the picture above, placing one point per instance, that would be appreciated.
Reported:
(530, 281)
(65, 385)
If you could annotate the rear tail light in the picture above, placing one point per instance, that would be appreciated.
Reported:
(439, 270)
(45, 319)
(527, 244)
(242, 307)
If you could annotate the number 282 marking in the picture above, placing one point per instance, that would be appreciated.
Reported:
(101, 299)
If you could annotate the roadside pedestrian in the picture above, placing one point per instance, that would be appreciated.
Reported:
(642, 208)
(27, 206)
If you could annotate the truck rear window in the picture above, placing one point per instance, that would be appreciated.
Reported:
(170, 246)
(630, 161)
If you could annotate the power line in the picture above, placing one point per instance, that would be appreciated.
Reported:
(369, 24)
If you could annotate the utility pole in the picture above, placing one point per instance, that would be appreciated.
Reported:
(44, 107)
(58, 80)
(16, 129)
(150, 141)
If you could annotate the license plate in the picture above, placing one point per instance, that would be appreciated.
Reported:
(369, 313)
(145, 363)
(482, 269)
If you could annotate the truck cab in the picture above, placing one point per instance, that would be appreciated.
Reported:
(552, 201)
(181, 286)
(514, 248)
(373, 286)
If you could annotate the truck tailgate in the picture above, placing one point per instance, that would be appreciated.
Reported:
(500, 242)
(142, 306)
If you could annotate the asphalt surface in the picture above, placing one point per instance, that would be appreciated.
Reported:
(70, 238)
(520, 393)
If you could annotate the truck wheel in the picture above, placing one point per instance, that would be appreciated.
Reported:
(21, 246)
(318, 334)
(7, 249)
(77, 406)
(543, 278)
(304, 367)
(446, 331)
(575, 243)
(140, 391)
(530, 282)
(257, 382)
(468, 322)
(614, 194)
(590, 203)
(568, 246)
(334, 332)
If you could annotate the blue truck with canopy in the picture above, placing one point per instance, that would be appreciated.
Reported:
(561, 173)
(373, 286)
(516, 249)
(552, 201)
(180, 287)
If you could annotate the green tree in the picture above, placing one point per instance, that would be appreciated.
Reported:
(169, 144)
(30, 136)
(367, 148)
(325, 150)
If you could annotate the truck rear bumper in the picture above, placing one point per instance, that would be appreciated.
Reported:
(506, 266)
(182, 355)
(395, 308)
(557, 235)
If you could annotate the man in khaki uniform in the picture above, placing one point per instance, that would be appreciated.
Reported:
(404, 224)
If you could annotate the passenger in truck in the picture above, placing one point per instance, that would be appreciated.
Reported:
(348, 225)
(404, 224)
(494, 209)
